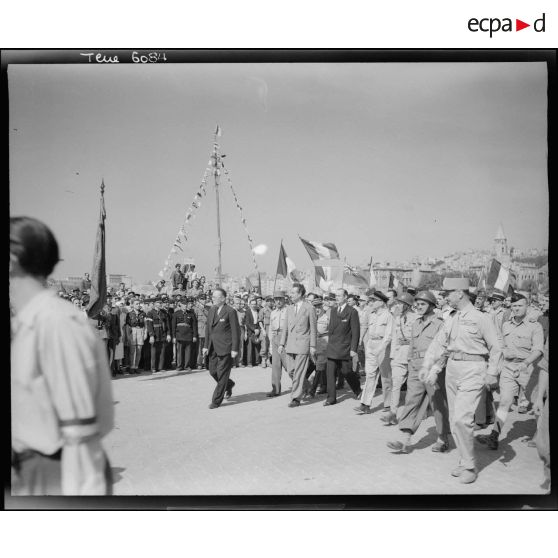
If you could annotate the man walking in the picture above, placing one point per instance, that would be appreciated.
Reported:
(343, 338)
(469, 342)
(222, 338)
(298, 339)
(277, 321)
(419, 395)
(253, 329)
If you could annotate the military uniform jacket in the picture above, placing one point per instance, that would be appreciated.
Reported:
(277, 324)
(343, 333)
(423, 331)
(222, 330)
(380, 328)
(184, 326)
(322, 327)
(135, 319)
(201, 316)
(156, 325)
(401, 336)
(265, 317)
(521, 339)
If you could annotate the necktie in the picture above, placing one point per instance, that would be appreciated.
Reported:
(339, 310)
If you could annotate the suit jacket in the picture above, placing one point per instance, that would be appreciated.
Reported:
(343, 333)
(251, 326)
(222, 332)
(299, 334)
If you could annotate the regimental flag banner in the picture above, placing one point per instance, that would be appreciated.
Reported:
(328, 267)
(500, 277)
(98, 293)
(481, 285)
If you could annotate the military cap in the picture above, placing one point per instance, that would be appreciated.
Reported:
(412, 290)
(406, 298)
(279, 294)
(318, 297)
(379, 295)
(310, 294)
(426, 296)
(496, 295)
(269, 299)
(517, 296)
(455, 284)
(355, 296)
(330, 296)
(317, 302)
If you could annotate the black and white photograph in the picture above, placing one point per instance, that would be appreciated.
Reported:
(278, 273)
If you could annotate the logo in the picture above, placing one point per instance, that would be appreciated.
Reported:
(494, 25)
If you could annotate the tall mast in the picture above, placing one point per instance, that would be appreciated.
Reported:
(216, 174)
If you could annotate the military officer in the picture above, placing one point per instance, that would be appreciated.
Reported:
(156, 323)
(469, 342)
(166, 312)
(276, 326)
(523, 346)
(135, 321)
(400, 339)
(184, 332)
(419, 395)
(363, 316)
(201, 310)
(319, 384)
(377, 343)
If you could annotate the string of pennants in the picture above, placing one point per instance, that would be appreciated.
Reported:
(242, 218)
(182, 236)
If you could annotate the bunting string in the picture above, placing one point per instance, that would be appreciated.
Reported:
(242, 218)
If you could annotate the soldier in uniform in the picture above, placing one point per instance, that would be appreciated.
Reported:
(264, 317)
(469, 342)
(401, 336)
(363, 316)
(523, 346)
(167, 316)
(185, 333)
(377, 343)
(319, 384)
(201, 310)
(240, 312)
(419, 395)
(156, 323)
(135, 320)
(276, 327)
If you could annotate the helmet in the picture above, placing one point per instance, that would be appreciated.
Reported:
(426, 296)
(406, 298)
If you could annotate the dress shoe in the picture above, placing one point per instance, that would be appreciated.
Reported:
(457, 471)
(271, 394)
(389, 419)
(213, 406)
(363, 409)
(440, 447)
(294, 403)
(468, 476)
(228, 393)
(398, 446)
(488, 440)
(328, 403)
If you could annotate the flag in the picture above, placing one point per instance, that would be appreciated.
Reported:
(218, 131)
(98, 293)
(355, 276)
(481, 285)
(259, 284)
(394, 282)
(248, 285)
(500, 277)
(286, 267)
(372, 278)
(328, 267)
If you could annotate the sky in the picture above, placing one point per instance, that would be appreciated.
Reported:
(386, 160)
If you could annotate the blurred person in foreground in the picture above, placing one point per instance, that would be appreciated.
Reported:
(60, 379)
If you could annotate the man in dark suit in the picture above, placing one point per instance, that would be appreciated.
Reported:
(253, 329)
(222, 338)
(343, 338)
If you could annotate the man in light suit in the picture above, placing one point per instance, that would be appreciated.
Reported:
(222, 339)
(298, 340)
(343, 338)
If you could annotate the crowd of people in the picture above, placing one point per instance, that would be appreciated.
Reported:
(444, 353)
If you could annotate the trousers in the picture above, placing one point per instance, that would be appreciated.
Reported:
(346, 367)
(464, 387)
(158, 355)
(297, 365)
(376, 364)
(399, 371)
(135, 356)
(183, 350)
(278, 362)
(419, 395)
(220, 370)
(542, 439)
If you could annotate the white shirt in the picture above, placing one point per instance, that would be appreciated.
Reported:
(340, 308)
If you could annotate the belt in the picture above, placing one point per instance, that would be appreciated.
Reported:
(419, 354)
(514, 359)
(375, 338)
(276, 330)
(137, 327)
(182, 323)
(457, 355)
(323, 334)
(403, 342)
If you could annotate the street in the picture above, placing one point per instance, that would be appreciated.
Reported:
(167, 442)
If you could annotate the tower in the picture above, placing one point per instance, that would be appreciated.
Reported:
(501, 246)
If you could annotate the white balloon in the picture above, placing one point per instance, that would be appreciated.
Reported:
(260, 249)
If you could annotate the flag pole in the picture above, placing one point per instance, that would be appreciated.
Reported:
(275, 280)
(216, 174)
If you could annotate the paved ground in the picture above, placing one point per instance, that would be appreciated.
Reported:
(167, 442)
